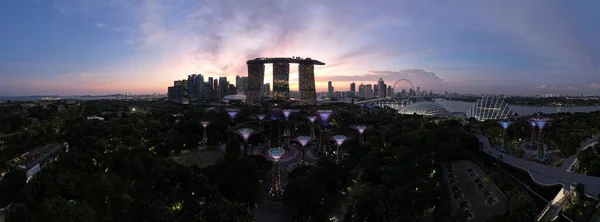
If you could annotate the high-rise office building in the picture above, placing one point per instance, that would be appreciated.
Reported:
(267, 89)
(368, 91)
(382, 88)
(215, 90)
(241, 84)
(352, 89)
(418, 93)
(222, 87)
(376, 90)
(329, 89)
(200, 87)
(191, 84)
(390, 91)
(210, 82)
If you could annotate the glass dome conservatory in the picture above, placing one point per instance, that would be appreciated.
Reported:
(425, 109)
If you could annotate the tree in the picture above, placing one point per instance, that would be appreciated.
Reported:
(18, 213)
(232, 149)
(62, 210)
(521, 206)
(12, 182)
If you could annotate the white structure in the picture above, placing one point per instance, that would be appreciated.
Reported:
(425, 109)
(490, 108)
(96, 117)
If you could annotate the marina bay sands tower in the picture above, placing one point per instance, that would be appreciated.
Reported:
(281, 77)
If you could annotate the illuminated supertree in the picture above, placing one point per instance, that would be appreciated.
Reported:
(260, 121)
(541, 123)
(505, 124)
(303, 140)
(204, 135)
(325, 116)
(232, 113)
(339, 140)
(276, 191)
(312, 120)
(361, 130)
(245, 133)
(286, 114)
(533, 124)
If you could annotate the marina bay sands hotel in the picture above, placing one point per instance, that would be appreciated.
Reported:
(281, 77)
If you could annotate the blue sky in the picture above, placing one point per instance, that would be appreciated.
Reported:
(141, 46)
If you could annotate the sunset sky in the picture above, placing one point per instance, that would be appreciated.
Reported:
(71, 47)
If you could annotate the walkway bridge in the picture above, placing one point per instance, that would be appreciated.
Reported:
(390, 99)
(553, 209)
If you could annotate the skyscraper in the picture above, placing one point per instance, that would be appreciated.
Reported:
(191, 85)
(329, 89)
(215, 90)
(267, 89)
(376, 90)
(352, 89)
(223, 86)
(200, 87)
(368, 91)
(390, 91)
(382, 88)
(241, 84)
(418, 93)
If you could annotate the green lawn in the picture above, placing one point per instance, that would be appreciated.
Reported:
(202, 158)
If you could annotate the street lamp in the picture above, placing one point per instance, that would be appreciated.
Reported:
(312, 120)
(339, 140)
(505, 124)
(286, 114)
(276, 191)
(245, 133)
(325, 116)
(204, 134)
(303, 140)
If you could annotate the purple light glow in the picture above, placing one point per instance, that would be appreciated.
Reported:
(276, 152)
(505, 124)
(532, 122)
(232, 113)
(260, 117)
(312, 119)
(245, 133)
(541, 122)
(204, 123)
(303, 140)
(325, 115)
(287, 112)
(339, 139)
(361, 129)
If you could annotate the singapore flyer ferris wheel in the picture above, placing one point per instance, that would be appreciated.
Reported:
(407, 86)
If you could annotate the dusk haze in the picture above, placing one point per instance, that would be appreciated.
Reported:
(98, 47)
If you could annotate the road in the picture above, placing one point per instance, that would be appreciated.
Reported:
(548, 175)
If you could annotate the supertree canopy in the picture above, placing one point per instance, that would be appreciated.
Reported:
(325, 117)
(276, 152)
(505, 123)
(245, 133)
(287, 112)
(312, 119)
(303, 140)
(339, 139)
(232, 113)
(204, 123)
(260, 117)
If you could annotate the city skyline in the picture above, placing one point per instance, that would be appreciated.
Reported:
(103, 47)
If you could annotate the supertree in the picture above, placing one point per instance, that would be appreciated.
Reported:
(505, 124)
(204, 135)
(312, 120)
(303, 140)
(232, 114)
(541, 123)
(361, 130)
(286, 114)
(245, 133)
(260, 117)
(533, 124)
(275, 135)
(276, 191)
(325, 116)
(339, 140)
